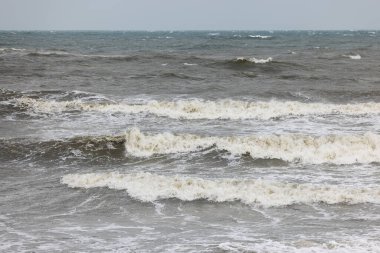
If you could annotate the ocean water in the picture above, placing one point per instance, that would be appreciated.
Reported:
(229, 141)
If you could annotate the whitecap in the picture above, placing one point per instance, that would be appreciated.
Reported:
(299, 148)
(254, 60)
(147, 187)
(260, 36)
(260, 61)
(204, 109)
(355, 57)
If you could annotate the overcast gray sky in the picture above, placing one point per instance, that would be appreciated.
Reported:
(188, 15)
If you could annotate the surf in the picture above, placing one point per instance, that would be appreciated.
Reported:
(148, 187)
(296, 148)
(201, 109)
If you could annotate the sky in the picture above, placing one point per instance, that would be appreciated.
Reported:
(189, 15)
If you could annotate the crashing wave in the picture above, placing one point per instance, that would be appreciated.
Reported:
(201, 109)
(335, 149)
(148, 187)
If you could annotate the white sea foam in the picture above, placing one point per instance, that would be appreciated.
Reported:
(53, 52)
(260, 36)
(336, 149)
(201, 109)
(254, 60)
(354, 56)
(261, 61)
(11, 49)
(148, 187)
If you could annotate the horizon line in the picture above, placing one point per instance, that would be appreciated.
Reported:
(183, 30)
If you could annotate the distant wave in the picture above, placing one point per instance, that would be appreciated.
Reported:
(354, 56)
(335, 149)
(11, 49)
(88, 57)
(260, 36)
(49, 53)
(253, 60)
(202, 109)
(81, 57)
(167, 75)
(260, 65)
(37, 52)
(148, 187)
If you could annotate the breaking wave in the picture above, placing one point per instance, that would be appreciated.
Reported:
(50, 53)
(253, 60)
(201, 109)
(260, 36)
(335, 149)
(11, 49)
(354, 56)
(148, 187)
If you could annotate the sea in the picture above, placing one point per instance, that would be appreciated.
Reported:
(190, 141)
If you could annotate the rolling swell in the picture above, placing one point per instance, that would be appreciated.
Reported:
(167, 75)
(264, 65)
(91, 57)
(267, 64)
(49, 54)
(296, 148)
(148, 187)
(95, 148)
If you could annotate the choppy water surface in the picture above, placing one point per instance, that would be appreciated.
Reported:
(190, 141)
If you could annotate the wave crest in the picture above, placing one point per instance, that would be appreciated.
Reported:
(200, 109)
(353, 56)
(260, 36)
(253, 60)
(148, 187)
(335, 149)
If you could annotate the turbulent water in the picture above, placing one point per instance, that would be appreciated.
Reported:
(190, 141)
